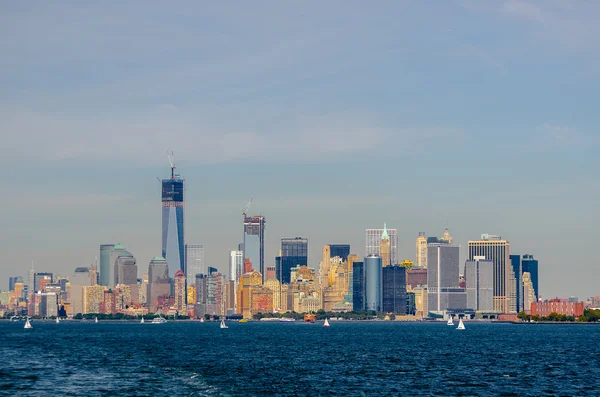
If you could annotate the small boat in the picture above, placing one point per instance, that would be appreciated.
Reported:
(326, 323)
(142, 322)
(57, 320)
(287, 319)
(201, 319)
(243, 320)
(159, 320)
(460, 325)
(96, 320)
(450, 322)
(27, 324)
(223, 324)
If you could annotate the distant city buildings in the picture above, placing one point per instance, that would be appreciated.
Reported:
(373, 243)
(479, 278)
(194, 262)
(294, 252)
(173, 204)
(254, 241)
(393, 285)
(372, 277)
(158, 282)
(443, 290)
(421, 255)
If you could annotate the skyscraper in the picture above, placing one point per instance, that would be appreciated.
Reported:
(443, 291)
(236, 265)
(158, 281)
(384, 247)
(421, 251)
(254, 241)
(173, 221)
(358, 286)
(479, 275)
(194, 262)
(126, 274)
(105, 264)
(393, 285)
(12, 281)
(373, 269)
(530, 265)
(341, 250)
(294, 252)
(498, 251)
(515, 285)
(180, 292)
(373, 243)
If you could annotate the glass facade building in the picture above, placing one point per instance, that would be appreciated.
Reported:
(194, 262)
(373, 269)
(443, 269)
(373, 243)
(254, 242)
(393, 285)
(172, 224)
(236, 265)
(530, 265)
(105, 264)
(294, 252)
(515, 285)
(358, 286)
(479, 277)
(341, 250)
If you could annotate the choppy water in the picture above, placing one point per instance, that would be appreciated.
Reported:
(347, 359)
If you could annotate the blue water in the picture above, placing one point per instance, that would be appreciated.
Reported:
(251, 359)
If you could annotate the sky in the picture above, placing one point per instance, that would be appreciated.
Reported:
(336, 116)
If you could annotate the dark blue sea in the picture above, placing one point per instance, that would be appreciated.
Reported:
(298, 359)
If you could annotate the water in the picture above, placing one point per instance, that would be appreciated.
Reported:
(251, 359)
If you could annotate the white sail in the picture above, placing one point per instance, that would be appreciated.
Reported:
(460, 325)
(223, 324)
(96, 320)
(450, 322)
(57, 320)
(142, 320)
(27, 324)
(326, 323)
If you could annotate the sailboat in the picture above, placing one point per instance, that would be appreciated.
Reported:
(201, 319)
(96, 320)
(450, 322)
(326, 323)
(223, 324)
(142, 322)
(27, 324)
(57, 320)
(460, 325)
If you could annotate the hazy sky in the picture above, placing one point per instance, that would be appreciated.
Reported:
(337, 116)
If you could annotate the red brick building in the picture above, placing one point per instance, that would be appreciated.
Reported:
(559, 306)
(416, 277)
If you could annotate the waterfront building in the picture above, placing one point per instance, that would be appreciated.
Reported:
(530, 265)
(372, 277)
(123, 297)
(12, 281)
(81, 278)
(158, 282)
(339, 250)
(528, 292)
(294, 252)
(194, 262)
(191, 293)
(275, 287)
(229, 297)
(324, 267)
(40, 279)
(393, 286)
(214, 293)
(416, 276)
(236, 265)
(143, 288)
(48, 304)
(254, 241)
(384, 248)
(421, 301)
(261, 300)
(373, 243)
(105, 263)
(479, 278)
(201, 289)
(180, 292)
(336, 285)
(497, 250)
(421, 251)
(244, 293)
(108, 303)
(126, 273)
(559, 306)
(443, 291)
(358, 286)
(173, 237)
(93, 298)
(515, 285)
(309, 304)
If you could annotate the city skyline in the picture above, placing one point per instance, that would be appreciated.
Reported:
(494, 132)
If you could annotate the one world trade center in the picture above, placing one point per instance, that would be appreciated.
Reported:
(172, 220)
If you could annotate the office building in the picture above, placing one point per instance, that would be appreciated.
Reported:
(515, 285)
(40, 279)
(254, 241)
(358, 286)
(393, 286)
(126, 273)
(446, 237)
(559, 306)
(415, 277)
(201, 293)
(158, 282)
(421, 251)
(12, 281)
(373, 269)
(173, 237)
(236, 265)
(81, 278)
(528, 292)
(93, 298)
(294, 252)
(194, 262)
(497, 250)
(180, 292)
(106, 264)
(479, 278)
(48, 306)
(339, 250)
(530, 265)
(384, 247)
(443, 291)
(373, 243)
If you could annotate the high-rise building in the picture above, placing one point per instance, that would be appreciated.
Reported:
(515, 285)
(530, 265)
(339, 250)
(105, 264)
(393, 285)
(294, 252)
(12, 281)
(422, 250)
(373, 243)
(446, 238)
(236, 265)
(201, 289)
(254, 241)
(497, 250)
(194, 262)
(126, 273)
(384, 247)
(479, 275)
(528, 292)
(373, 269)
(358, 286)
(443, 291)
(173, 203)
(415, 277)
(93, 298)
(158, 282)
(180, 292)
(41, 278)
(81, 278)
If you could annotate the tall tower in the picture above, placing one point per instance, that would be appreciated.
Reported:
(384, 247)
(497, 250)
(172, 220)
(422, 250)
(373, 243)
(194, 262)
(446, 238)
(294, 252)
(254, 241)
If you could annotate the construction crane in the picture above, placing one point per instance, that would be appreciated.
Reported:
(245, 211)
(172, 163)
